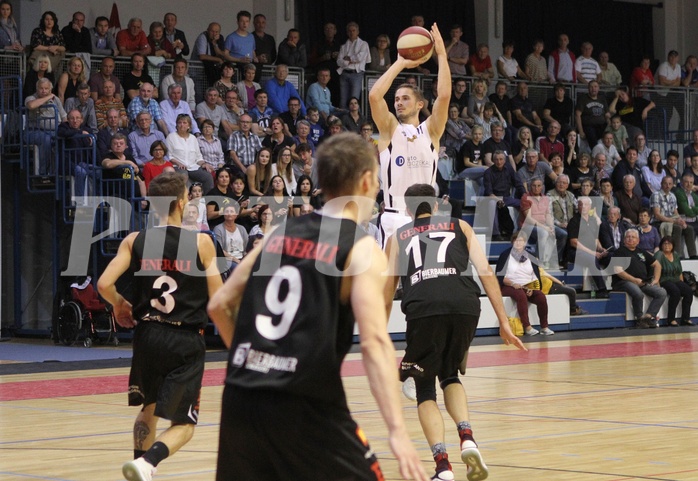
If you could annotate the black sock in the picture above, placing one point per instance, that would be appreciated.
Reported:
(137, 453)
(158, 452)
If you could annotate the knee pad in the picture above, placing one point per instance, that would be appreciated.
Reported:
(426, 390)
(449, 380)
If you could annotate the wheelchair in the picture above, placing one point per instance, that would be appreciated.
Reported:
(83, 313)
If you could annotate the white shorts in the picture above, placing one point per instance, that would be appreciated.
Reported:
(390, 222)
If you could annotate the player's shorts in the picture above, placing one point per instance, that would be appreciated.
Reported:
(167, 369)
(390, 222)
(436, 346)
(268, 435)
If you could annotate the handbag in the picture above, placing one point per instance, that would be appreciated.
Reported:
(516, 326)
(690, 279)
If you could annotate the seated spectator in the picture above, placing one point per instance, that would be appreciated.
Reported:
(190, 217)
(689, 72)
(111, 127)
(507, 66)
(353, 119)
(230, 236)
(264, 44)
(586, 188)
(559, 108)
(585, 246)
(608, 148)
(459, 96)
(76, 36)
(277, 139)
(210, 49)
(558, 168)
(522, 111)
(103, 41)
(47, 39)
(611, 232)
(259, 174)
(85, 105)
(522, 144)
(303, 135)
(292, 116)
(319, 95)
(335, 126)
(628, 201)
(667, 219)
(620, 134)
(106, 72)
(580, 172)
(609, 72)
(669, 73)
(117, 164)
(231, 122)
(629, 166)
(601, 171)
(380, 55)
(498, 182)
(291, 51)
(480, 64)
(209, 109)
(687, 201)
(305, 194)
(179, 76)
(641, 77)
(519, 278)
(690, 149)
(534, 170)
(591, 114)
(501, 100)
(305, 165)
(185, 153)
(158, 163)
(261, 114)
(487, 117)
(225, 83)
(108, 102)
(159, 45)
(671, 280)
(9, 32)
(44, 112)
(535, 65)
(243, 145)
(280, 203)
(536, 219)
(247, 215)
(316, 130)
(247, 87)
(550, 143)
(135, 78)
(133, 39)
(40, 70)
(563, 202)
(280, 91)
(671, 167)
(173, 106)
(633, 111)
(643, 151)
(68, 81)
(551, 285)
(145, 101)
(211, 148)
(586, 68)
(175, 36)
(284, 168)
(653, 172)
(79, 157)
(218, 198)
(264, 216)
(649, 235)
(637, 273)
(572, 151)
(469, 161)
(196, 197)
(143, 137)
(495, 143)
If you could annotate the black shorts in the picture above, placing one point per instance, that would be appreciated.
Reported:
(167, 369)
(274, 436)
(436, 346)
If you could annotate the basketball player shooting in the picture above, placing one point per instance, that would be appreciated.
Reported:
(409, 151)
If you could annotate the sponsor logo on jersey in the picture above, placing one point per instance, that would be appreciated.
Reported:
(399, 161)
(416, 277)
(240, 354)
(438, 272)
(264, 362)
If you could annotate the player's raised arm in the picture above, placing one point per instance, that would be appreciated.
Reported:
(436, 123)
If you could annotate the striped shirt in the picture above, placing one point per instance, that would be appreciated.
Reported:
(212, 151)
(246, 147)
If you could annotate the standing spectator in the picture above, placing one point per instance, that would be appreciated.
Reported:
(185, 153)
(609, 72)
(145, 101)
(179, 76)
(498, 181)
(133, 39)
(134, 79)
(319, 95)
(176, 37)
(535, 66)
(637, 273)
(47, 39)
(210, 49)
(633, 111)
(559, 108)
(591, 114)
(280, 91)
(108, 130)
(76, 36)
(173, 106)
(507, 66)
(458, 52)
(586, 67)
(243, 145)
(68, 81)
(481, 64)
(673, 283)
(641, 77)
(9, 32)
(97, 79)
(324, 55)
(352, 59)
(241, 43)
(380, 54)
(159, 45)
(103, 41)
(669, 73)
(561, 61)
(143, 137)
(265, 44)
(85, 105)
(291, 51)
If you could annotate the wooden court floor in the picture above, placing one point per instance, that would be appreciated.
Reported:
(608, 409)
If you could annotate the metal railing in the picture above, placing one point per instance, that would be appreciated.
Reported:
(77, 174)
(10, 118)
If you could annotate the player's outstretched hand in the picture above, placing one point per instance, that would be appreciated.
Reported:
(123, 313)
(439, 47)
(407, 457)
(510, 338)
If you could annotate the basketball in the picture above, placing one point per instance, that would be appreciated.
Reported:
(415, 43)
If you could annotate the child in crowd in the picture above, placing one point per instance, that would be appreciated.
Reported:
(316, 131)
(620, 134)
(196, 191)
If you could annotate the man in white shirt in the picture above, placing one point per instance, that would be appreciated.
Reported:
(561, 61)
(352, 59)
(173, 106)
(669, 72)
(586, 67)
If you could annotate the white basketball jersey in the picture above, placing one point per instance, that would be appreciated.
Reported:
(409, 159)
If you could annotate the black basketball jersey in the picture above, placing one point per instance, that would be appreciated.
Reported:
(292, 331)
(169, 281)
(433, 259)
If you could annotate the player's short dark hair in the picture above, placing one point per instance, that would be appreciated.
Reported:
(168, 184)
(341, 161)
(415, 199)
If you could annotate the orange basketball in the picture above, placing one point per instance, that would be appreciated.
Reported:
(415, 43)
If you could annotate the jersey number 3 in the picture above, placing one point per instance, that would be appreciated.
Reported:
(286, 308)
(165, 303)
